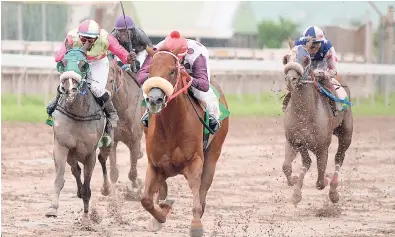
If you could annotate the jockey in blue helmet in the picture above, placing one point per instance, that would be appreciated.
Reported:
(138, 38)
(323, 59)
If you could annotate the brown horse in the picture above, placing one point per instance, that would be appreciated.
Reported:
(126, 96)
(309, 125)
(174, 140)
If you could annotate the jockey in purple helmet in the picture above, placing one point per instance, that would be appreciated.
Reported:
(138, 38)
(324, 62)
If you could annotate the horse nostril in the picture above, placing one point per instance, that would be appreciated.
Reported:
(159, 100)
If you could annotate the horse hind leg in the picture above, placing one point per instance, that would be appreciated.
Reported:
(306, 162)
(60, 154)
(344, 134)
(134, 192)
(102, 157)
(290, 155)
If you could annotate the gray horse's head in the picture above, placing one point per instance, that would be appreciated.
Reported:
(296, 67)
(73, 68)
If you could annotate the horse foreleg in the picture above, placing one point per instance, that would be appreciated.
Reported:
(60, 154)
(114, 172)
(344, 134)
(290, 155)
(89, 165)
(136, 184)
(193, 175)
(306, 163)
(76, 171)
(322, 159)
(103, 154)
(153, 181)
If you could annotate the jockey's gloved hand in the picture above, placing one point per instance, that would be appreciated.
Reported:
(131, 57)
(125, 67)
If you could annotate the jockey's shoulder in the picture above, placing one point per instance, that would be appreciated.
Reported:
(193, 43)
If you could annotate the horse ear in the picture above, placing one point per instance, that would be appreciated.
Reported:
(67, 44)
(150, 51)
(285, 59)
(175, 52)
(290, 43)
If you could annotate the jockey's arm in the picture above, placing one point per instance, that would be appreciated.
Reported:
(331, 60)
(200, 75)
(115, 48)
(144, 40)
(142, 74)
(62, 51)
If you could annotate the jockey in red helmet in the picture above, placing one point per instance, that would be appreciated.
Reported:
(194, 57)
(138, 39)
(100, 42)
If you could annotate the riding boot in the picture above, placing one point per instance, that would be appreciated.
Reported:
(111, 114)
(54, 102)
(144, 118)
(337, 105)
(214, 123)
(287, 97)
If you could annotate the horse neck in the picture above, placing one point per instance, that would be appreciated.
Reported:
(304, 101)
(174, 117)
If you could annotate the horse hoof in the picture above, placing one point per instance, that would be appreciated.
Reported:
(52, 212)
(196, 229)
(293, 181)
(296, 196)
(85, 221)
(334, 196)
(105, 191)
(154, 225)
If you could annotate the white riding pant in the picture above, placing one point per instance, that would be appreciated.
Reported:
(99, 75)
(212, 102)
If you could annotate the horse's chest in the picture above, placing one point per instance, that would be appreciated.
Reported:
(169, 162)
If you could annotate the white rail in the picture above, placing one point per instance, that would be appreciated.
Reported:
(230, 65)
(49, 48)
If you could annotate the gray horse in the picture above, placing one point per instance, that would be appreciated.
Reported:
(79, 123)
(127, 98)
(309, 125)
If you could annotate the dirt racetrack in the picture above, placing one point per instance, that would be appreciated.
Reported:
(249, 195)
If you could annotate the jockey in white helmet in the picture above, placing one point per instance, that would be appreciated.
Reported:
(323, 58)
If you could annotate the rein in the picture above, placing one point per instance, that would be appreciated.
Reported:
(182, 76)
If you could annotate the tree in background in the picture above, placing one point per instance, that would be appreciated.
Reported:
(272, 34)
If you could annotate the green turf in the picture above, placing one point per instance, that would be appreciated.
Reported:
(33, 108)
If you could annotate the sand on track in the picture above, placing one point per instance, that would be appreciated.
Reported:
(249, 195)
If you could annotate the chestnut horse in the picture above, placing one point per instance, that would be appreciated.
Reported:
(309, 124)
(174, 139)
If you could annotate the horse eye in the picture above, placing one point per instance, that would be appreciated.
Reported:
(172, 72)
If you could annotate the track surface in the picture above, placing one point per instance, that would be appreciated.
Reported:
(249, 195)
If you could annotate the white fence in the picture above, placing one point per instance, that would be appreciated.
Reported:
(49, 48)
(216, 65)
